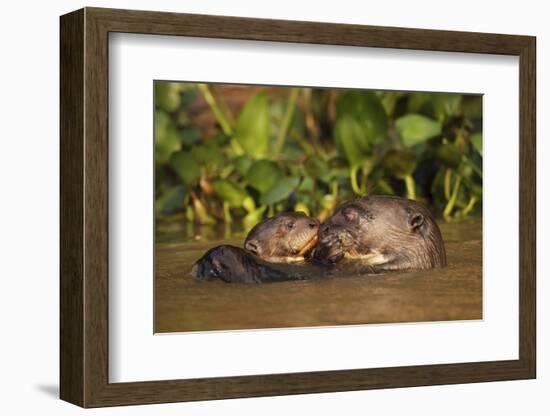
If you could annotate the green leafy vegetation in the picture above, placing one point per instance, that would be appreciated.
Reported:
(227, 154)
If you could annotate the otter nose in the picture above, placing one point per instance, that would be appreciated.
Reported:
(313, 224)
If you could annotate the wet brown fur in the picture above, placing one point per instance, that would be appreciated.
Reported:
(286, 237)
(387, 233)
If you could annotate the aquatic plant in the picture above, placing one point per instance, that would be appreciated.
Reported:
(221, 159)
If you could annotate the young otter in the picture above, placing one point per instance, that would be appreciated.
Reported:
(286, 237)
(386, 233)
(234, 265)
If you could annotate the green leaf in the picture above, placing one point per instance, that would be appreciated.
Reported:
(185, 166)
(170, 201)
(189, 93)
(417, 102)
(253, 217)
(465, 170)
(316, 167)
(349, 139)
(301, 207)
(414, 129)
(400, 163)
(162, 121)
(389, 100)
(280, 191)
(472, 106)
(190, 136)
(449, 154)
(230, 192)
(446, 105)
(293, 152)
(477, 141)
(209, 155)
(167, 95)
(167, 139)
(367, 110)
(242, 164)
(307, 185)
(263, 175)
(220, 139)
(252, 126)
(340, 172)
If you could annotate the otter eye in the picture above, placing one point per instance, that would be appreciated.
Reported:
(290, 225)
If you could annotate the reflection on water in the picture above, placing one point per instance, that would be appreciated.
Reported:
(184, 304)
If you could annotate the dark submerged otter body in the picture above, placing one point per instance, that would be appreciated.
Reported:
(234, 265)
(384, 233)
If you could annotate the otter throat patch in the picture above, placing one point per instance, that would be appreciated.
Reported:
(373, 257)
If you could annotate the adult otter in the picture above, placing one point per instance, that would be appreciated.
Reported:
(386, 233)
(234, 265)
(286, 237)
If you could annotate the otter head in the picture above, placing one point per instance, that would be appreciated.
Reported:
(388, 233)
(227, 263)
(289, 236)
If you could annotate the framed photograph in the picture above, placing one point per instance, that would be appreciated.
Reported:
(256, 207)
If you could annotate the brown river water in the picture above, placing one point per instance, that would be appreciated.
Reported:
(184, 304)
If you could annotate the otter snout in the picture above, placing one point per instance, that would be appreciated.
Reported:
(330, 248)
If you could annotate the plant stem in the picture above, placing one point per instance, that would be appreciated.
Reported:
(223, 107)
(411, 188)
(447, 183)
(227, 230)
(353, 180)
(470, 206)
(201, 215)
(287, 119)
(216, 109)
(451, 202)
(226, 213)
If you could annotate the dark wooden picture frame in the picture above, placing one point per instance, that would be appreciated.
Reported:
(84, 207)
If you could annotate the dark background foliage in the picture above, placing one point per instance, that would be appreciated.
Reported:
(230, 153)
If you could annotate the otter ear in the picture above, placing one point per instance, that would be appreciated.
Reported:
(253, 247)
(350, 214)
(416, 220)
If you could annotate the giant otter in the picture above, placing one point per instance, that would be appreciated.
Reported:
(385, 233)
(234, 265)
(286, 237)
(382, 233)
